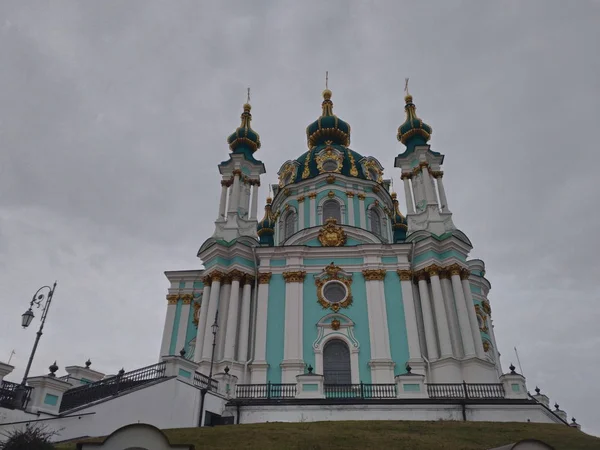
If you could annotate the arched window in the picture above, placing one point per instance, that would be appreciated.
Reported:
(289, 225)
(375, 219)
(336, 363)
(330, 165)
(331, 208)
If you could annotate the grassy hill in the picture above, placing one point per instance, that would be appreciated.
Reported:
(378, 435)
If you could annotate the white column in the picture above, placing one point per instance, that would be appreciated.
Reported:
(202, 319)
(441, 318)
(457, 347)
(234, 196)
(429, 194)
(232, 317)
(223, 310)
(184, 316)
(350, 197)
(430, 339)
(242, 353)
(472, 314)
(361, 211)
(244, 197)
(462, 311)
(417, 187)
(254, 209)
(259, 364)
(223, 202)
(215, 291)
(442, 192)
(410, 314)
(313, 209)
(300, 213)
(410, 207)
(169, 323)
(293, 361)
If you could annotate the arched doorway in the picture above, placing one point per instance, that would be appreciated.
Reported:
(336, 363)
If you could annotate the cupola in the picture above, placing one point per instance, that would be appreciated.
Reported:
(399, 223)
(244, 138)
(413, 131)
(266, 226)
(328, 127)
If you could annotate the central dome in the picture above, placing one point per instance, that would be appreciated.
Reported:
(331, 158)
(328, 127)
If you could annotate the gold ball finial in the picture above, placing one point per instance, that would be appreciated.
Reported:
(408, 99)
(394, 195)
(269, 200)
(326, 94)
(247, 107)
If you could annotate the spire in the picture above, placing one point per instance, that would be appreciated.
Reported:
(244, 137)
(413, 131)
(328, 127)
(399, 223)
(266, 227)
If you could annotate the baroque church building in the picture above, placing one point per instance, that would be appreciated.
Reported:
(334, 277)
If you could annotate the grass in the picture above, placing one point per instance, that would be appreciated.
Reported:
(417, 435)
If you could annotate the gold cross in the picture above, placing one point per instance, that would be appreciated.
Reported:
(327, 79)
(406, 86)
(248, 101)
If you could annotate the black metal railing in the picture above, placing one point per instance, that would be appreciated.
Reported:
(268, 390)
(465, 390)
(108, 387)
(201, 381)
(7, 394)
(361, 390)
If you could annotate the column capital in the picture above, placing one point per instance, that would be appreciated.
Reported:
(405, 275)
(465, 274)
(406, 175)
(217, 276)
(301, 199)
(236, 275)
(444, 274)
(226, 183)
(206, 280)
(264, 278)
(436, 173)
(312, 195)
(433, 270)
(349, 194)
(361, 196)
(374, 274)
(294, 276)
(421, 275)
(172, 299)
(454, 269)
(423, 164)
(248, 279)
(237, 172)
(187, 299)
(226, 279)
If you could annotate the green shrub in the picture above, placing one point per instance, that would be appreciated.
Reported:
(29, 438)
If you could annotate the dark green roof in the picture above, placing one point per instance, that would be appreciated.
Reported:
(328, 127)
(244, 137)
(413, 131)
(350, 163)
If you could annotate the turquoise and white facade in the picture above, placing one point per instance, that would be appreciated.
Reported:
(333, 263)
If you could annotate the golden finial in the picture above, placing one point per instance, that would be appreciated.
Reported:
(269, 200)
(247, 106)
(326, 92)
(407, 97)
(326, 79)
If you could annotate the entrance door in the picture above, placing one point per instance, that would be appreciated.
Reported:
(336, 363)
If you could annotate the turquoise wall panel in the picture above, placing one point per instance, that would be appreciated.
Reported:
(185, 373)
(358, 312)
(351, 242)
(411, 387)
(181, 284)
(306, 212)
(326, 261)
(313, 243)
(51, 400)
(356, 211)
(307, 387)
(389, 259)
(191, 332)
(275, 327)
(226, 262)
(277, 262)
(312, 313)
(475, 289)
(198, 285)
(396, 321)
(439, 256)
(173, 343)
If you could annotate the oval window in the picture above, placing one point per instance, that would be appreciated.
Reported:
(334, 292)
(330, 165)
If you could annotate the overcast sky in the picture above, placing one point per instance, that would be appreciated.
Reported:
(114, 115)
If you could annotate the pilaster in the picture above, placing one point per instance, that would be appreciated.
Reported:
(184, 316)
(462, 311)
(202, 319)
(477, 342)
(232, 316)
(242, 353)
(47, 393)
(428, 324)
(215, 291)
(410, 316)
(259, 365)
(293, 363)
(169, 324)
(441, 318)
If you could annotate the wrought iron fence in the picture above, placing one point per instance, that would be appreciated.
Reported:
(7, 394)
(92, 392)
(361, 390)
(201, 381)
(465, 390)
(268, 390)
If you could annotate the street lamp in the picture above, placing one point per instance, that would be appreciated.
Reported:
(214, 328)
(39, 300)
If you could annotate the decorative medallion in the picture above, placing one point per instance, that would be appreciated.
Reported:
(485, 305)
(196, 316)
(330, 179)
(486, 346)
(334, 289)
(329, 160)
(332, 235)
(287, 175)
(372, 171)
(335, 324)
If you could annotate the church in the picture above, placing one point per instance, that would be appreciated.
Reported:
(335, 275)
(335, 303)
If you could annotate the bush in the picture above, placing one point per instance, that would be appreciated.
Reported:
(31, 438)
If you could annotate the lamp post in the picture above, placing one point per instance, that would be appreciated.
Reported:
(37, 300)
(203, 391)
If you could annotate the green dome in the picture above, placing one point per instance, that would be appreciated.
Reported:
(265, 228)
(328, 127)
(413, 131)
(399, 222)
(244, 137)
(345, 162)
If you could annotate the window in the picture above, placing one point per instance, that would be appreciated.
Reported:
(375, 219)
(331, 208)
(334, 292)
(330, 165)
(289, 226)
(336, 363)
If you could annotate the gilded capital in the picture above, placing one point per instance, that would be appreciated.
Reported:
(406, 175)
(421, 275)
(312, 195)
(237, 172)
(264, 278)
(465, 274)
(187, 299)
(294, 277)
(444, 274)
(361, 196)
(436, 173)
(423, 164)
(172, 299)
(301, 199)
(454, 269)
(236, 275)
(248, 279)
(433, 270)
(486, 346)
(217, 276)
(206, 280)
(405, 275)
(350, 194)
(374, 274)
(226, 279)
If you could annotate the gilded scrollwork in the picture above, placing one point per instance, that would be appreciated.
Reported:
(296, 276)
(405, 275)
(329, 154)
(172, 299)
(374, 274)
(336, 274)
(264, 278)
(187, 299)
(332, 235)
(287, 175)
(196, 317)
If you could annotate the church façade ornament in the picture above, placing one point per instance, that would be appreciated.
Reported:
(335, 324)
(332, 235)
(336, 274)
